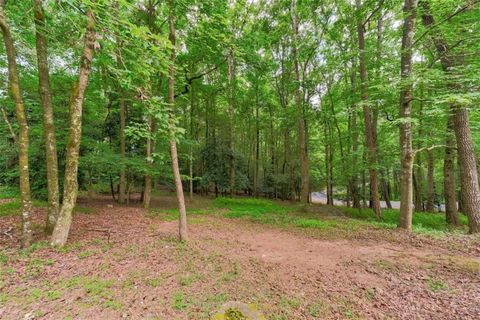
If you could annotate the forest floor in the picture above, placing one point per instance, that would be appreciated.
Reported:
(126, 263)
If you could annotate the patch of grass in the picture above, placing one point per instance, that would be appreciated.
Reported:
(53, 295)
(36, 266)
(3, 298)
(423, 222)
(155, 282)
(112, 304)
(85, 254)
(3, 258)
(84, 210)
(12, 208)
(180, 301)
(437, 285)
(7, 192)
(69, 247)
(186, 280)
(253, 208)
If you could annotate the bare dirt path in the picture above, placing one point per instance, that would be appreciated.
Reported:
(122, 264)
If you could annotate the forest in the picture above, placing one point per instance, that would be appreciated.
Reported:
(240, 159)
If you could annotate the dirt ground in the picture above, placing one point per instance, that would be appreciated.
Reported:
(121, 263)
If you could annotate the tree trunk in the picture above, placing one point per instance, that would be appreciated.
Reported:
(14, 84)
(470, 189)
(418, 181)
(121, 133)
(257, 148)
(48, 122)
(9, 125)
(147, 180)
(406, 98)
(386, 190)
(302, 136)
(451, 211)
(353, 127)
(367, 112)
(430, 183)
(173, 143)
(70, 189)
(231, 119)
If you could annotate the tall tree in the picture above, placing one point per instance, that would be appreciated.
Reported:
(451, 209)
(367, 112)
(231, 116)
(23, 141)
(70, 188)
(406, 100)
(470, 189)
(48, 118)
(302, 137)
(173, 142)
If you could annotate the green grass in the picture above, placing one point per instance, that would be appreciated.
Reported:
(8, 192)
(423, 222)
(13, 207)
(273, 212)
(253, 208)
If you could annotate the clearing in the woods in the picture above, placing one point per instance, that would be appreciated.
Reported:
(329, 263)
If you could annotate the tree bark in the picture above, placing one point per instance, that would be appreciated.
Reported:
(173, 143)
(430, 182)
(406, 98)
(70, 189)
(48, 119)
(231, 118)
(470, 189)
(302, 136)
(257, 147)
(354, 130)
(451, 210)
(23, 141)
(123, 180)
(9, 125)
(418, 183)
(367, 112)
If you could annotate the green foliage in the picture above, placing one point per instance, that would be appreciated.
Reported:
(254, 208)
(422, 221)
(218, 160)
(8, 192)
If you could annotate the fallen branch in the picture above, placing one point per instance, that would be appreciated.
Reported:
(8, 233)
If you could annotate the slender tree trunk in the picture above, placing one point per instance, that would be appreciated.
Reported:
(123, 180)
(15, 90)
(257, 148)
(418, 182)
(231, 115)
(354, 178)
(190, 156)
(430, 183)
(470, 189)
(451, 210)
(70, 189)
(147, 180)
(406, 98)
(302, 136)
(173, 143)
(121, 101)
(48, 122)
(386, 190)
(369, 124)
(9, 125)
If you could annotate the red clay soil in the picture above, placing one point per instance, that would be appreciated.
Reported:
(122, 264)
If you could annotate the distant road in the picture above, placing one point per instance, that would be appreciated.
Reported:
(321, 197)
